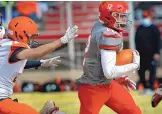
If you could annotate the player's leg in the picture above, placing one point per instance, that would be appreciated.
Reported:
(157, 97)
(8, 106)
(121, 101)
(92, 98)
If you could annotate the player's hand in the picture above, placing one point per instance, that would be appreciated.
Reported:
(136, 58)
(70, 34)
(50, 62)
(2, 32)
(126, 82)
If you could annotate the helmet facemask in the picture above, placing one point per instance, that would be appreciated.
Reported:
(31, 42)
(122, 21)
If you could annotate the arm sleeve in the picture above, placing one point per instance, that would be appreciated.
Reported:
(16, 48)
(32, 64)
(29, 64)
(110, 70)
(13, 58)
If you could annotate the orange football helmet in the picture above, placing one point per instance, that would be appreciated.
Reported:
(22, 29)
(114, 14)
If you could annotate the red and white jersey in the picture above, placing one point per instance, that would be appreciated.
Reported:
(100, 56)
(101, 38)
(9, 71)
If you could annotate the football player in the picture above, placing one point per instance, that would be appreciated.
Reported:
(15, 52)
(97, 86)
(33, 63)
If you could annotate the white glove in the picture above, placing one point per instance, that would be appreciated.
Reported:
(126, 82)
(136, 58)
(70, 34)
(50, 62)
(2, 32)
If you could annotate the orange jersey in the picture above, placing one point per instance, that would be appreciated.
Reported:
(9, 71)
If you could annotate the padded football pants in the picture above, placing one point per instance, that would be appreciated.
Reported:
(8, 106)
(113, 95)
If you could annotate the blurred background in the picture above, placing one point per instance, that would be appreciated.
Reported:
(52, 18)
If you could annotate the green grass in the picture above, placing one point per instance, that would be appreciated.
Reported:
(69, 103)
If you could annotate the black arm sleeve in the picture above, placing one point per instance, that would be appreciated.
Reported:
(29, 63)
(13, 56)
(32, 64)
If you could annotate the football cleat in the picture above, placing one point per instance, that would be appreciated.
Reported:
(157, 97)
(50, 108)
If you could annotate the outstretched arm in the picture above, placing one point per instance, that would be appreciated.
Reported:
(43, 50)
(44, 63)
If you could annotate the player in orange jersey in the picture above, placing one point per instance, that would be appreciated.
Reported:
(51, 62)
(15, 52)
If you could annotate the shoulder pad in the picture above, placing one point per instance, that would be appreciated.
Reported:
(110, 40)
(109, 33)
(19, 44)
(15, 44)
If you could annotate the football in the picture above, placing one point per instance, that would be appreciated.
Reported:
(124, 57)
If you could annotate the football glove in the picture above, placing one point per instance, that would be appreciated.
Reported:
(70, 34)
(126, 82)
(50, 62)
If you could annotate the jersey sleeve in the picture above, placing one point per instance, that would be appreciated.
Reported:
(110, 40)
(13, 58)
(16, 47)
